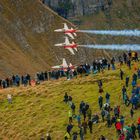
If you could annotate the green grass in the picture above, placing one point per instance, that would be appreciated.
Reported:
(40, 109)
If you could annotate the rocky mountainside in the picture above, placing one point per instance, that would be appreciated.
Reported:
(86, 7)
(27, 38)
(68, 8)
(101, 15)
(125, 13)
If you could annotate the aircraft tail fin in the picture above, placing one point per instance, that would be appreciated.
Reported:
(65, 26)
(64, 64)
(75, 49)
(73, 42)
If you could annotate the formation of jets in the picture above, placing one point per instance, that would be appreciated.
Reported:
(70, 32)
(71, 46)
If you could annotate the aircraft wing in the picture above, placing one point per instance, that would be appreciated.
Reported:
(65, 26)
(67, 42)
(75, 34)
(71, 50)
(75, 49)
(70, 35)
(56, 67)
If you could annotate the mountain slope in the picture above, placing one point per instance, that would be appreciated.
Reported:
(27, 38)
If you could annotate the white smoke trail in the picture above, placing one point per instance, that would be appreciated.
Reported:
(113, 32)
(133, 47)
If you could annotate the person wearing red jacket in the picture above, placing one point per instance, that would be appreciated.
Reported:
(118, 127)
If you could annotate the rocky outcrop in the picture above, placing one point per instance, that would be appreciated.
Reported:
(70, 8)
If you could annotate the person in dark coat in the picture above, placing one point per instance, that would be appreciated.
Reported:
(66, 97)
(107, 96)
(100, 101)
(131, 112)
(48, 137)
(138, 128)
(103, 114)
(121, 74)
(133, 127)
(108, 120)
(127, 81)
(90, 123)
(75, 134)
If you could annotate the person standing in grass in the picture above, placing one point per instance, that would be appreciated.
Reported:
(118, 127)
(102, 138)
(122, 136)
(90, 123)
(73, 108)
(9, 98)
(108, 120)
(127, 81)
(133, 127)
(66, 97)
(69, 128)
(89, 113)
(70, 116)
(81, 133)
(42, 137)
(103, 114)
(78, 117)
(107, 96)
(100, 101)
(74, 136)
(84, 124)
(67, 136)
(131, 112)
(123, 93)
(138, 128)
(121, 74)
(48, 136)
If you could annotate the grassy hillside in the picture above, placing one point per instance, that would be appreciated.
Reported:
(40, 109)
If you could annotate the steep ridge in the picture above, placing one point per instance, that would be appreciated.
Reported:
(27, 38)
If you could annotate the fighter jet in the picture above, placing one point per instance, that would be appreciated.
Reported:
(68, 45)
(70, 32)
(64, 66)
